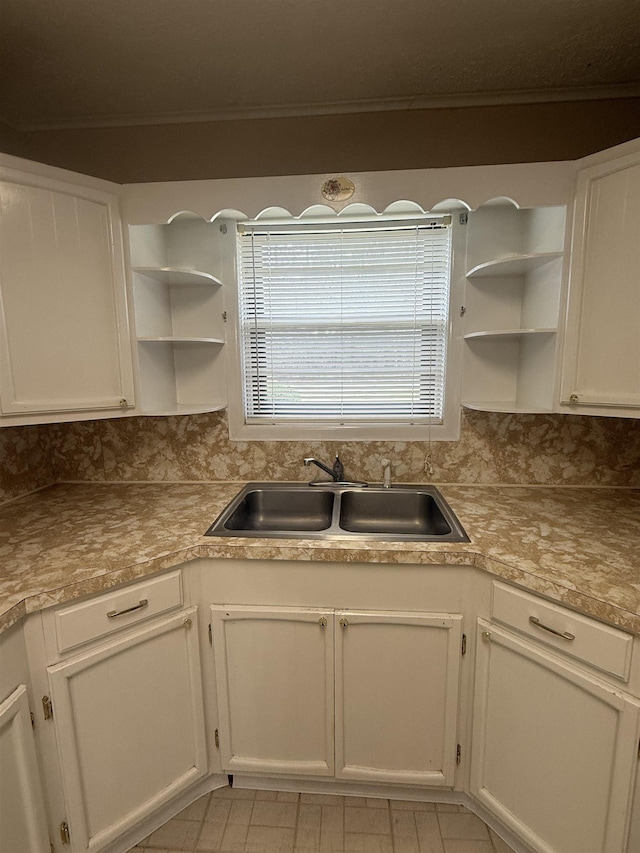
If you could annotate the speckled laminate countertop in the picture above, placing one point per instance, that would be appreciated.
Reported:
(578, 546)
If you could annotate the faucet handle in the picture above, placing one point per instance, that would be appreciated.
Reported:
(338, 470)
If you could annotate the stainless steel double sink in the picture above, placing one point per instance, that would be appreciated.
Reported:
(301, 511)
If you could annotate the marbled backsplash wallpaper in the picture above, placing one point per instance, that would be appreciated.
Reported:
(26, 460)
(493, 448)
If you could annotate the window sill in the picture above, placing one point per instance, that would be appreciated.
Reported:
(344, 432)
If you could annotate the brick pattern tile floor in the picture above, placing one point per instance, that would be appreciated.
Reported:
(237, 820)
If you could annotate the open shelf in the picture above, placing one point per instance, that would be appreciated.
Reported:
(512, 307)
(508, 333)
(178, 291)
(516, 265)
(177, 276)
(174, 339)
(508, 406)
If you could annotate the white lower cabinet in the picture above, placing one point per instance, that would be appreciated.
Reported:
(554, 750)
(23, 826)
(274, 669)
(397, 697)
(130, 726)
(393, 706)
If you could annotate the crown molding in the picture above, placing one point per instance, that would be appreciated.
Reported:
(425, 102)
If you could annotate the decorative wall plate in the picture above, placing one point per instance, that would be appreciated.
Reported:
(338, 189)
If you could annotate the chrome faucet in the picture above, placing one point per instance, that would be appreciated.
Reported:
(336, 473)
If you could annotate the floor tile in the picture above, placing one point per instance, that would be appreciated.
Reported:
(239, 820)
(356, 842)
(428, 830)
(196, 811)
(234, 838)
(241, 811)
(269, 839)
(218, 809)
(409, 805)
(466, 845)
(176, 834)
(210, 836)
(462, 826)
(267, 813)
(366, 820)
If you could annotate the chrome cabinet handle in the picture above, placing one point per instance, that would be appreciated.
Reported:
(564, 634)
(113, 613)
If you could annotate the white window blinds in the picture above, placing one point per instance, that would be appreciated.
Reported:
(344, 323)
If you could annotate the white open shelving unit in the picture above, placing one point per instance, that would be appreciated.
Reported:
(179, 316)
(512, 305)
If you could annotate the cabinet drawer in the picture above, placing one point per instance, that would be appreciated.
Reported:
(598, 645)
(105, 614)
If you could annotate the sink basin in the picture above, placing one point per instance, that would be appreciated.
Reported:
(299, 511)
(282, 509)
(393, 511)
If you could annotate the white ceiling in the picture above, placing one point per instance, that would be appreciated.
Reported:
(67, 63)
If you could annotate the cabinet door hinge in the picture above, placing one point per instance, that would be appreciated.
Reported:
(464, 644)
(47, 707)
(33, 719)
(639, 749)
(463, 218)
(216, 737)
(458, 754)
(64, 832)
(51, 847)
(210, 635)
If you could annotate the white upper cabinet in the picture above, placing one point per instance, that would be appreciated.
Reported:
(180, 314)
(512, 303)
(65, 343)
(601, 370)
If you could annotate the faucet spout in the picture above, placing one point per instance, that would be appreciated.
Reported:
(336, 473)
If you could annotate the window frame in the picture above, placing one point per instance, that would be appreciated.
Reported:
(448, 430)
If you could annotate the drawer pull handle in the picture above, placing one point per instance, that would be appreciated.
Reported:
(564, 634)
(113, 613)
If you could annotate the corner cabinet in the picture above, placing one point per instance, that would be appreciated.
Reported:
(601, 369)
(555, 746)
(65, 344)
(511, 311)
(127, 706)
(180, 315)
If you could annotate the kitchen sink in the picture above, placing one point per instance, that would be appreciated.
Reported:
(299, 511)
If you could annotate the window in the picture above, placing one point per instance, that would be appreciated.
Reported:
(344, 325)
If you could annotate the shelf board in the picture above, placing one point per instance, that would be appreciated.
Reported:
(505, 334)
(179, 339)
(505, 407)
(178, 276)
(190, 409)
(512, 265)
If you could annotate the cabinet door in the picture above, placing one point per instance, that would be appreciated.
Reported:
(554, 749)
(274, 672)
(602, 348)
(397, 696)
(63, 312)
(130, 726)
(23, 825)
